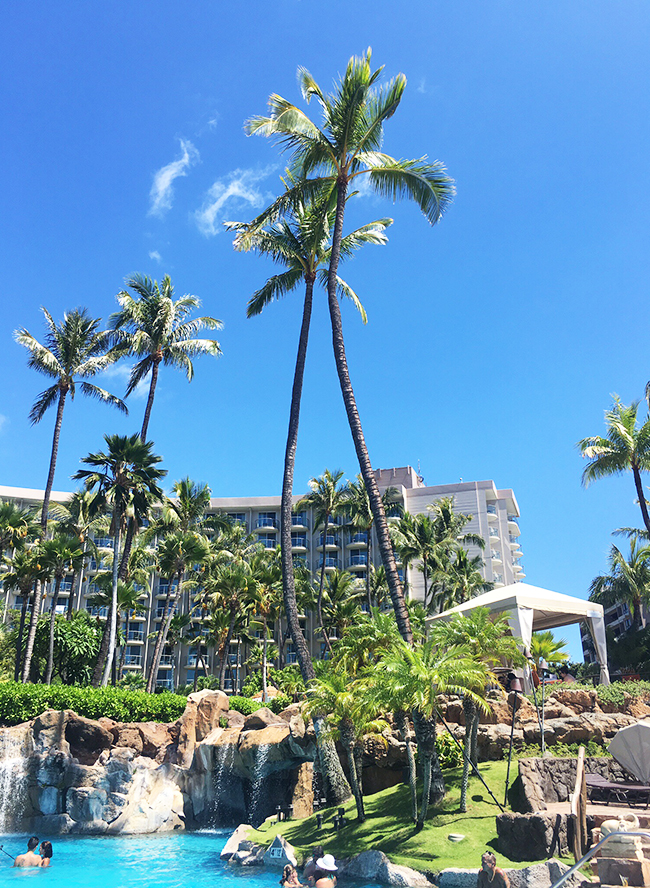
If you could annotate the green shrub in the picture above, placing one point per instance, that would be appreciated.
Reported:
(449, 753)
(559, 750)
(277, 704)
(21, 702)
(244, 705)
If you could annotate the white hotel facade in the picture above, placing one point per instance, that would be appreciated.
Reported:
(495, 517)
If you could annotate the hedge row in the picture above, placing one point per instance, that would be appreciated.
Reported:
(21, 702)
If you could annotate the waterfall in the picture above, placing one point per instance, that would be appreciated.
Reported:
(223, 778)
(14, 754)
(257, 780)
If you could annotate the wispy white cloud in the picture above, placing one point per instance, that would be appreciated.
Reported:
(3, 422)
(422, 85)
(162, 191)
(237, 188)
(154, 254)
(120, 373)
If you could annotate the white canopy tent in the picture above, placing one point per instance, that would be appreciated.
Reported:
(532, 609)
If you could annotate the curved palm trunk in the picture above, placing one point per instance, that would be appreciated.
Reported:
(21, 630)
(29, 647)
(170, 606)
(112, 621)
(403, 727)
(73, 582)
(639, 492)
(425, 575)
(50, 652)
(474, 739)
(152, 392)
(53, 456)
(358, 762)
(368, 565)
(98, 671)
(264, 649)
(346, 730)
(376, 505)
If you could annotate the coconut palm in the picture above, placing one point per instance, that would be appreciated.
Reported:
(342, 604)
(228, 585)
(335, 156)
(175, 553)
(78, 518)
(26, 573)
(625, 448)
(124, 480)
(417, 538)
(301, 244)
(362, 520)
(545, 648)
(128, 602)
(17, 526)
(74, 350)
(461, 581)
(327, 500)
(628, 580)
(489, 641)
(264, 597)
(156, 329)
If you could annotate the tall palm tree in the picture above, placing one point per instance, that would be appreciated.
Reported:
(335, 156)
(327, 499)
(361, 518)
(156, 329)
(26, 573)
(417, 538)
(342, 603)
(175, 553)
(628, 580)
(61, 555)
(625, 448)
(124, 480)
(265, 597)
(488, 640)
(78, 518)
(301, 244)
(461, 581)
(74, 350)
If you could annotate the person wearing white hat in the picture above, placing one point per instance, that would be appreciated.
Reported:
(325, 869)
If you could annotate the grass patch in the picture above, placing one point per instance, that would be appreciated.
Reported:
(388, 827)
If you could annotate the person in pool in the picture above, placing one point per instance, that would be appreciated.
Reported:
(310, 866)
(290, 877)
(325, 874)
(30, 858)
(490, 876)
(46, 853)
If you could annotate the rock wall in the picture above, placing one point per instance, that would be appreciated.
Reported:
(64, 773)
(548, 780)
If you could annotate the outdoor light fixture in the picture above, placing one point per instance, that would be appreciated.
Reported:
(319, 821)
(515, 686)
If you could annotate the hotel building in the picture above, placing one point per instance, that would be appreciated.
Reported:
(495, 517)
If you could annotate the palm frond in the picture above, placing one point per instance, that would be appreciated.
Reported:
(100, 394)
(276, 287)
(425, 183)
(42, 404)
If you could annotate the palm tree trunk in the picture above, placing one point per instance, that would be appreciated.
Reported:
(226, 647)
(376, 505)
(337, 788)
(358, 762)
(55, 450)
(170, 605)
(29, 647)
(433, 788)
(469, 708)
(347, 737)
(126, 551)
(21, 630)
(639, 492)
(264, 687)
(368, 565)
(98, 671)
(424, 574)
(403, 727)
(50, 652)
(321, 586)
(112, 637)
(288, 578)
(152, 391)
(474, 741)
(73, 581)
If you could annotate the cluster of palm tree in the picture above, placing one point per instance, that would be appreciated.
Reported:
(624, 448)
(376, 678)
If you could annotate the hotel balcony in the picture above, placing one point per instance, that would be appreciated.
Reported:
(496, 557)
(266, 523)
(358, 540)
(492, 513)
(513, 526)
(299, 543)
(300, 521)
(133, 660)
(166, 661)
(331, 562)
(493, 533)
(331, 542)
(134, 637)
(359, 561)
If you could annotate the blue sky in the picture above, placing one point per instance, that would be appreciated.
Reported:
(494, 339)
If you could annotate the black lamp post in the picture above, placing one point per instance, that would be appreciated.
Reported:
(515, 687)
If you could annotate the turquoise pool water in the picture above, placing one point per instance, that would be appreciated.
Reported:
(178, 860)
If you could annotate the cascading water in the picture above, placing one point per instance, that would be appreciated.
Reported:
(14, 754)
(223, 778)
(257, 781)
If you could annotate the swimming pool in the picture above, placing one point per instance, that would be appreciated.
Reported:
(170, 860)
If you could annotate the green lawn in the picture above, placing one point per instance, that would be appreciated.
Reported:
(388, 828)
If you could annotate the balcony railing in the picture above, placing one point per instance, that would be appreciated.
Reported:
(514, 519)
(495, 554)
(330, 540)
(359, 559)
(266, 522)
(97, 611)
(166, 660)
(492, 510)
(299, 541)
(361, 537)
(133, 660)
(494, 533)
(329, 562)
(300, 519)
(135, 636)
